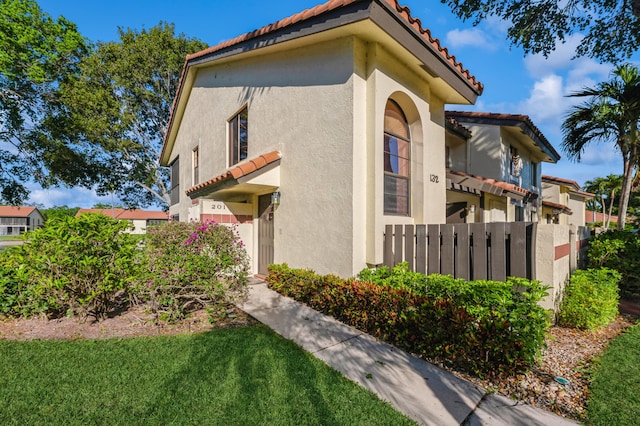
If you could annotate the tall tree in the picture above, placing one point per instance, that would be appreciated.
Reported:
(606, 190)
(611, 28)
(119, 104)
(36, 54)
(611, 115)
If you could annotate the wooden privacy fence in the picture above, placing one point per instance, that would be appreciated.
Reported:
(472, 251)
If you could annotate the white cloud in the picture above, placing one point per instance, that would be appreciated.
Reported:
(546, 102)
(469, 37)
(71, 197)
(538, 66)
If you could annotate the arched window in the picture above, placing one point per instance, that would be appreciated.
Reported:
(397, 150)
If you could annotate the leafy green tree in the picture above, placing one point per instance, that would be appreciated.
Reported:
(119, 105)
(59, 212)
(606, 190)
(611, 115)
(36, 54)
(611, 28)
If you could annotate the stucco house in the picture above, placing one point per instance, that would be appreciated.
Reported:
(16, 220)
(313, 133)
(140, 219)
(493, 166)
(563, 202)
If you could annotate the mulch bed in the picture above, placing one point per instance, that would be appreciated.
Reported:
(568, 356)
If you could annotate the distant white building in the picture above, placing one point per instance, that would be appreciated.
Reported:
(18, 220)
(141, 219)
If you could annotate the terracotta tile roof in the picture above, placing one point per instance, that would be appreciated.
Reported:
(563, 209)
(318, 10)
(128, 214)
(507, 117)
(403, 11)
(239, 170)
(454, 125)
(15, 211)
(504, 188)
(567, 182)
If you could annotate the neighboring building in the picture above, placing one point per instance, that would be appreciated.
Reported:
(563, 202)
(494, 167)
(313, 133)
(141, 219)
(18, 220)
(592, 216)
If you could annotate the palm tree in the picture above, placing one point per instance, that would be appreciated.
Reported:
(612, 114)
(606, 190)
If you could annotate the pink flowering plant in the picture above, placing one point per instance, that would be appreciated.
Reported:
(193, 266)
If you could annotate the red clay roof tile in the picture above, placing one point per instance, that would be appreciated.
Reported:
(239, 170)
(561, 207)
(15, 211)
(403, 11)
(512, 117)
(505, 186)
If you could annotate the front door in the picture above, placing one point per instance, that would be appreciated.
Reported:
(265, 233)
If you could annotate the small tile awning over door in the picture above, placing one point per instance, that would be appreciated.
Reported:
(255, 175)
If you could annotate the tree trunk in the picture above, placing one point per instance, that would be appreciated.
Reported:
(613, 196)
(627, 179)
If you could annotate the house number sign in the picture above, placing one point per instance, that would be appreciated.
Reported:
(434, 178)
(218, 206)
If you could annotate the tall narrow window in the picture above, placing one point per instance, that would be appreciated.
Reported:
(196, 160)
(238, 137)
(397, 149)
(175, 181)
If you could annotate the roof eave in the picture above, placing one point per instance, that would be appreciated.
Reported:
(395, 20)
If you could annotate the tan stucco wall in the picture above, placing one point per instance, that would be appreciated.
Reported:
(485, 151)
(550, 271)
(471, 200)
(457, 153)
(388, 78)
(322, 107)
(577, 206)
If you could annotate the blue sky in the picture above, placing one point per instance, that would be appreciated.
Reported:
(514, 84)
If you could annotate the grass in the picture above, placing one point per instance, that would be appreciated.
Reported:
(225, 377)
(615, 390)
(10, 238)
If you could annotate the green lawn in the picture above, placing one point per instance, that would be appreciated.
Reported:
(615, 391)
(243, 376)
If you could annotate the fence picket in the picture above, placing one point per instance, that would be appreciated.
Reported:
(476, 251)
(421, 249)
(498, 251)
(462, 251)
(433, 249)
(447, 256)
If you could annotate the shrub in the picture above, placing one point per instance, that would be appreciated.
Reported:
(191, 266)
(72, 266)
(618, 250)
(485, 327)
(590, 299)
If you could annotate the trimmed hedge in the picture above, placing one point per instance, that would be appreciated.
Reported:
(618, 250)
(590, 299)
(485, 327)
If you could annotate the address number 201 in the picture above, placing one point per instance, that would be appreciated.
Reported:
(434, 178)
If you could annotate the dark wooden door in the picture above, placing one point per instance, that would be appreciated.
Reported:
(265, 233)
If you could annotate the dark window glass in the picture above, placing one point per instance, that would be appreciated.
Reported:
(397, 161)
(238, 137)
(175, 181)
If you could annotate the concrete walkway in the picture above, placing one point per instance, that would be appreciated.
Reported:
(423, 392)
